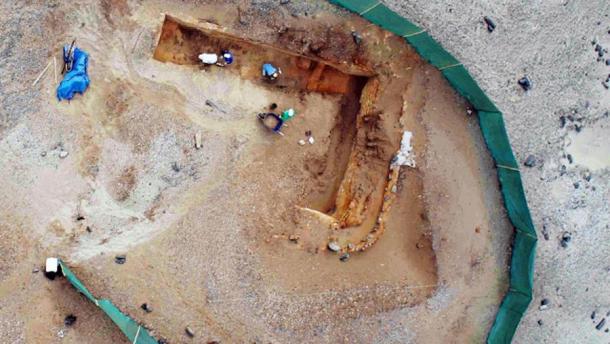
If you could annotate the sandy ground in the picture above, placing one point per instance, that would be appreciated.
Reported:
(206, 231)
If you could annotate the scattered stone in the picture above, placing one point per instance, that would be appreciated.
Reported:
(79, 217)
(607, 62)
(302, 142)
(601, 324)
(334, 246)
(565, 239)
(120, 259)
(576, 185)
(88, 229)
(63, 154)
(308, 133)
(311, 140)
(35, 270)
(606, 84)
(189, 332)
(284, 2)
(43, 154)
(525, 83)
(491, 26)
(294, 238)
(214, 106)
(530, 161)
(562, 121)
(350, 246)
(593, 315)
(545, 232)
(175, 166)
(419, 245)
(357, 38)
(344, 257)
(394, 188)
(146, 308)
(69, 320)
(539, 322)
(544, 304)
(198, 140)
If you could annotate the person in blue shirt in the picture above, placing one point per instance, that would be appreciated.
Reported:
(271, 72)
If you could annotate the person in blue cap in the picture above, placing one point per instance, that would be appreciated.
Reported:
(227, 57)
(271, 72)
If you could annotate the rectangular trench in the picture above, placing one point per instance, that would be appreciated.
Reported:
(181, 43)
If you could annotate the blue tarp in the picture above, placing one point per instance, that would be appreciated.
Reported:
(76, 80)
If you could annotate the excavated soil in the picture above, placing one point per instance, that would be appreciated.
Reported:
(232, 239)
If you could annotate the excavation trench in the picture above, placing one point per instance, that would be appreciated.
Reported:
(181, 43)
(354, 179)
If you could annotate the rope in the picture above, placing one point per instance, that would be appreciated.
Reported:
(135, 340)
(414, 34)
(507, 167)
(370, 8)
(450, 66)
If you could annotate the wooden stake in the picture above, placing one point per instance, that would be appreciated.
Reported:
(41, 73)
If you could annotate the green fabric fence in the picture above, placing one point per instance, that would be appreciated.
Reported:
(134, 331)
(519, 295)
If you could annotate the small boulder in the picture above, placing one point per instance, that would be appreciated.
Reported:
(69, 320)
(525, 83)
(530, 161)
(189, 332)
(334, 246)
(120, 259)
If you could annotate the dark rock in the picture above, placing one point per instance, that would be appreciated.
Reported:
(69, 320)
(146, 308)
(175, 166)
(601, 324)
(576, 185)
(565, 239)
(284, 2)
(491, 26)
(607, 62)
(562, 121)
(344, 257)
(80, 217)
(189, 332)
(586, 176)
(545, 302)
(606, 84)
(540, 322)
(545, 232)
(120, 259)
(598, 48)
(525, 83)
(592, 315)
(530, 161)
(357, 38)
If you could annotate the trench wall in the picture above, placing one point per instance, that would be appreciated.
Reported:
(519, 295)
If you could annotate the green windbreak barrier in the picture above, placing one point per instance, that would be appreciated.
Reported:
(519, 295)
(134, 331)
